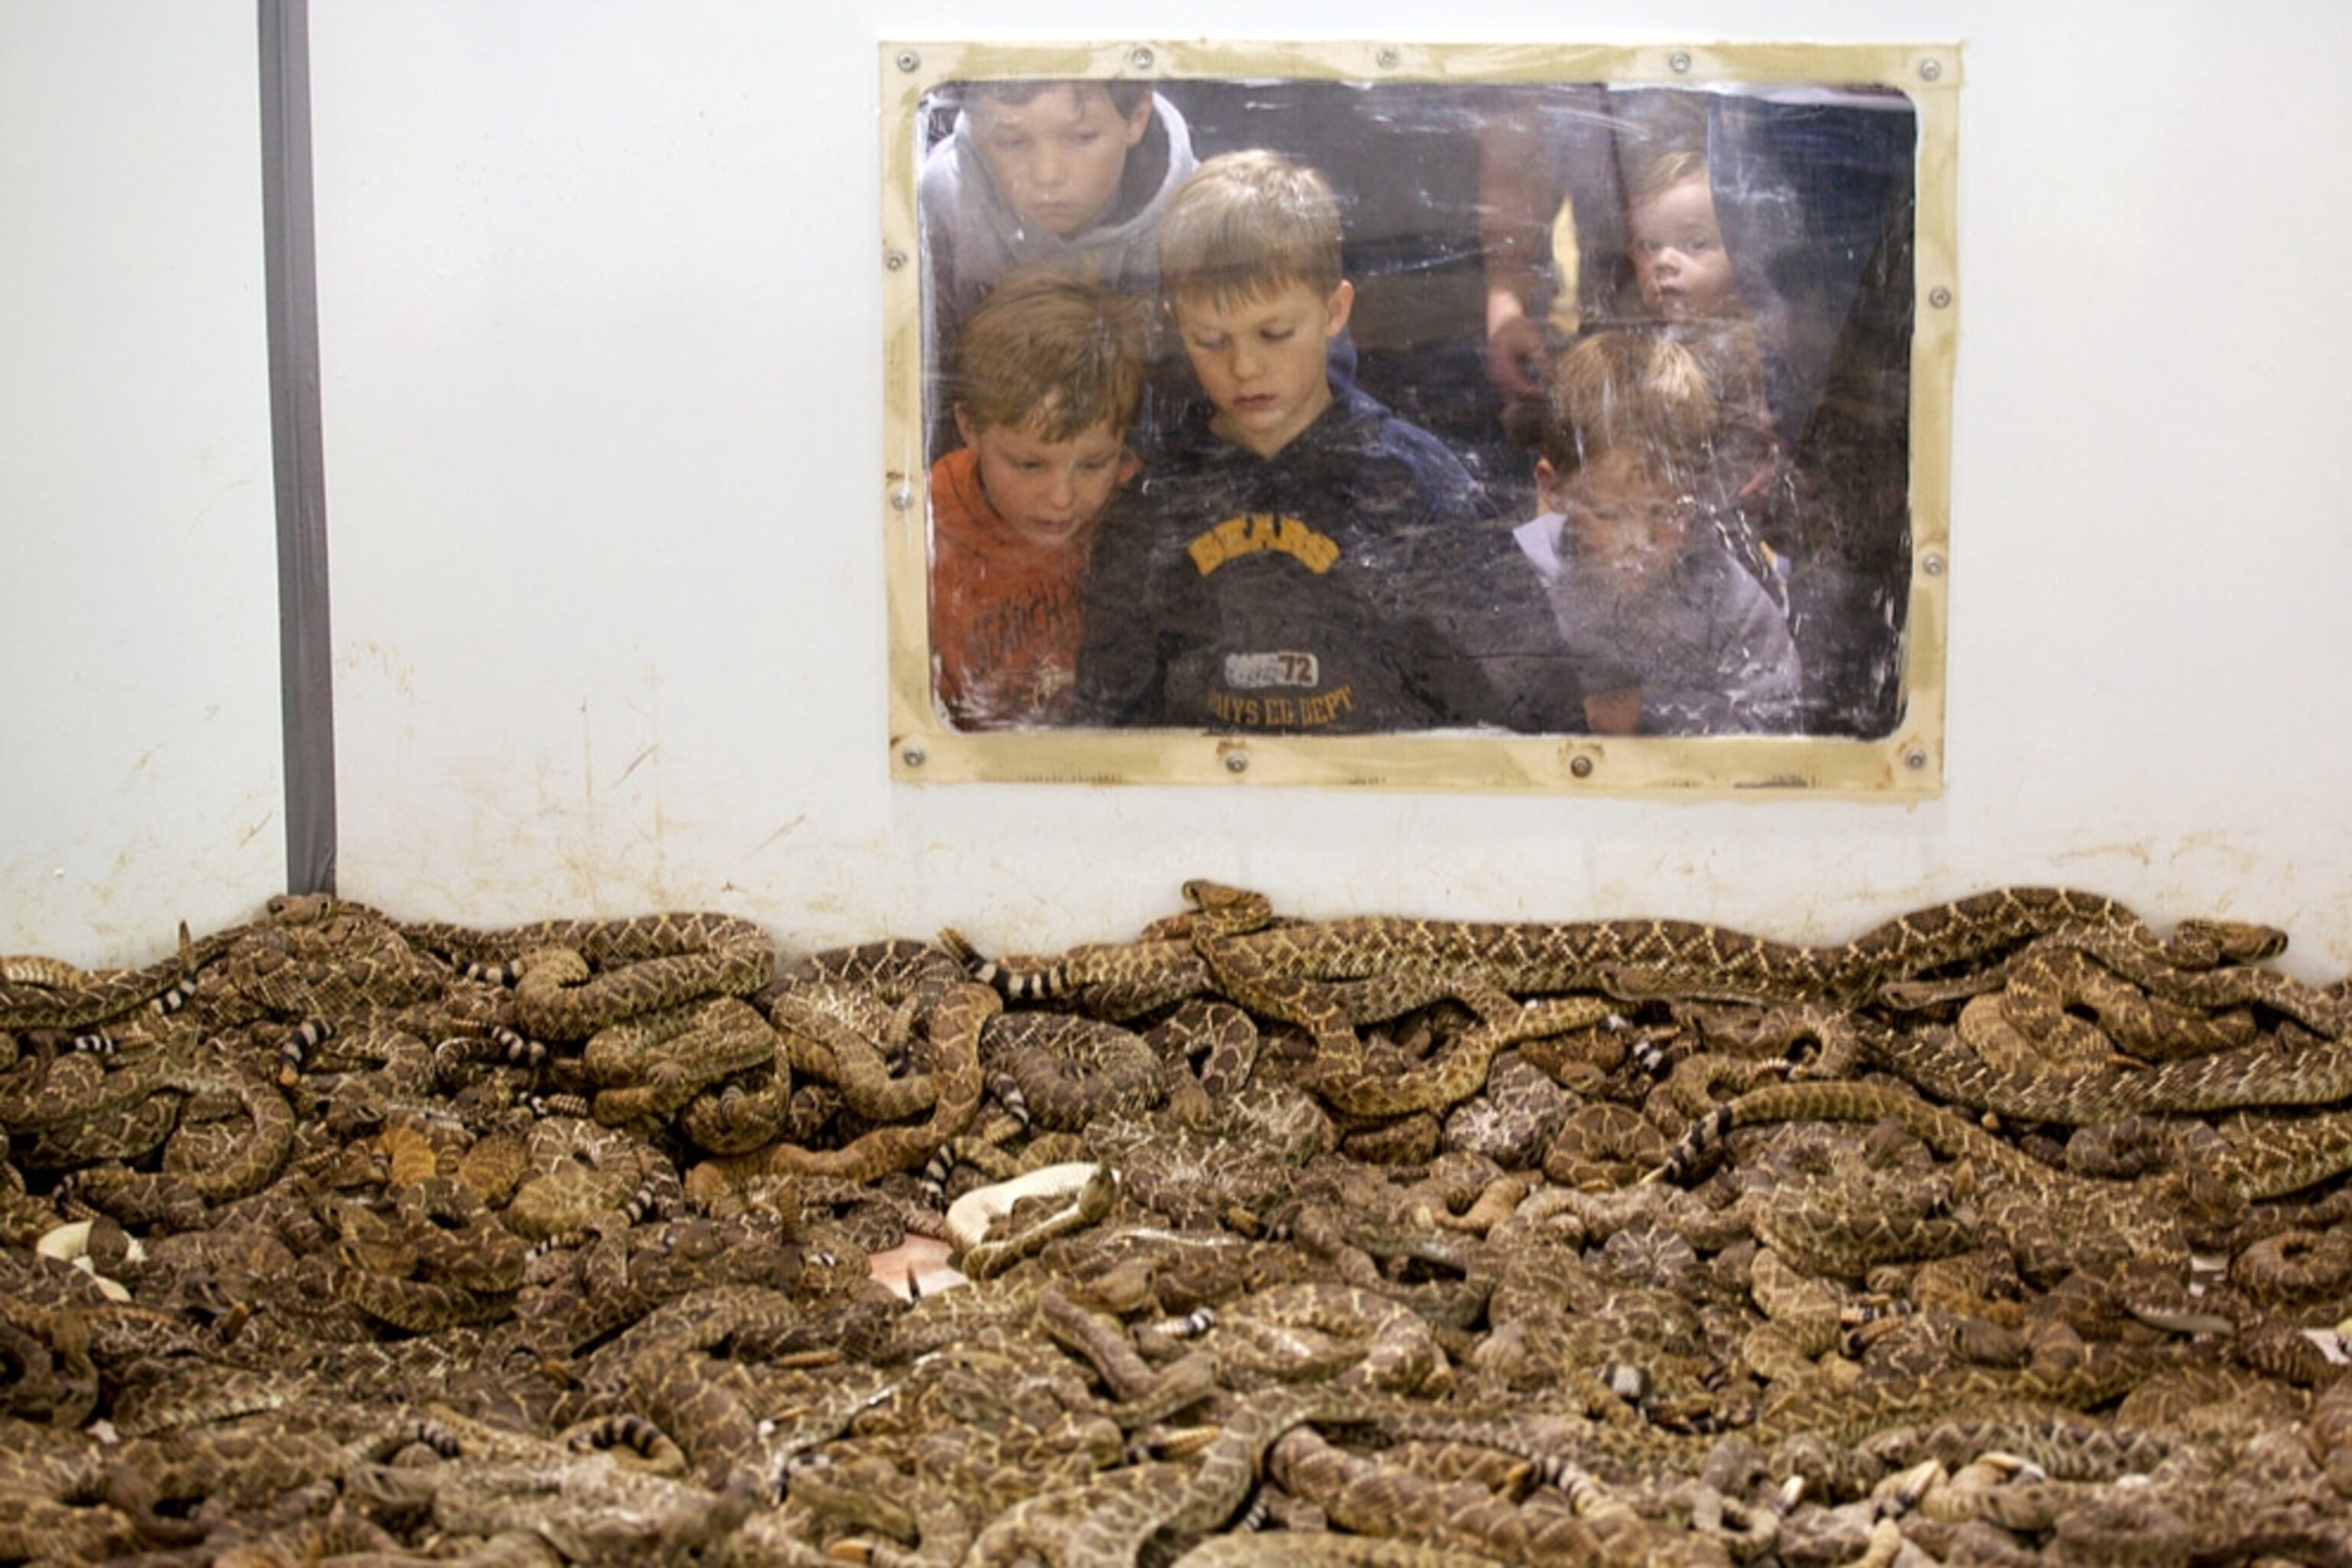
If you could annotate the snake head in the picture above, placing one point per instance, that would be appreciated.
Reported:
(385, 1489)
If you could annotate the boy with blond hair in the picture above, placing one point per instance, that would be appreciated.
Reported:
(1303, 561)
(1669, 632)
(1049, 376)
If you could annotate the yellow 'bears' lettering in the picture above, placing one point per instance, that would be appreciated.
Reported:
(1262, 531)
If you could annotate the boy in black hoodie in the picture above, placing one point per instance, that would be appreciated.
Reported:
(1302, 561)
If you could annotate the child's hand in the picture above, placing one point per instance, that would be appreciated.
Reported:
(1617, 711)
(1516, 354)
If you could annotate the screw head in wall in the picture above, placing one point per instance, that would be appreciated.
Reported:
(909, 60)
(1387, 60)
(1679, 61)
(1915, 758)
(914, 756)
(1580, 766)
(1940, 297)
(1236, 762)
(1931, 70)
(1141, 56)
(1932, 563)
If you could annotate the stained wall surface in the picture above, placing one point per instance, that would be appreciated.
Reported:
(140, 771)
(601, 309)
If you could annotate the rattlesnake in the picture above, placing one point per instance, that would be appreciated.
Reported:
(1365, 968)
(631, 1363)
(38, 993)
(652, 1065)
(571, 978)
(953, 1014)
(2055, 1222)
(1071, 1069)
(2255, 1075)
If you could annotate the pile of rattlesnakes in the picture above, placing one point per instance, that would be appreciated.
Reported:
(2008, 1229)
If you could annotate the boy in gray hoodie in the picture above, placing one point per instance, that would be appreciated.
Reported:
(1066, 174)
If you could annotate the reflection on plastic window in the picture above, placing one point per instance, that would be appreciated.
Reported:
(1269, 406)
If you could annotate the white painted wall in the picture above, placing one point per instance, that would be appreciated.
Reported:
(600, 314)
(140, 773)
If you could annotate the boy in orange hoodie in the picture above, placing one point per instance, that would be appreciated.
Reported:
(1049, 377)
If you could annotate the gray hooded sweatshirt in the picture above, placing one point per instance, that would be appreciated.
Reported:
(971, 238)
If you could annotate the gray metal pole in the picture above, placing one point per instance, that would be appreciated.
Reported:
(306, 652)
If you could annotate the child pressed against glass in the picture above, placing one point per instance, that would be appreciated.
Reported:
(1676, 247)
(1049, 374)
(1668, 632)
(1302, 559)
(1065, 172)
(1688, 283)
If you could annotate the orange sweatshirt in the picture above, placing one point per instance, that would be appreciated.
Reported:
(1006, 615)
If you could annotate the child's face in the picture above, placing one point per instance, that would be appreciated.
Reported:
(1678, 255)
(1262, 358)
(1057, 158)
(1624, 520)
(1049, 492)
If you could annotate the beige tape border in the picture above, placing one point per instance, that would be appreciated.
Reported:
(1907, 765)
